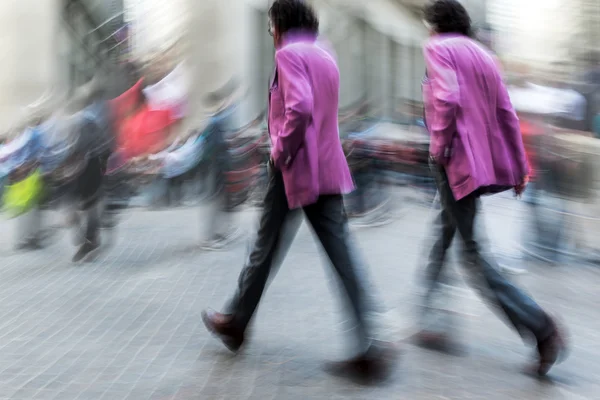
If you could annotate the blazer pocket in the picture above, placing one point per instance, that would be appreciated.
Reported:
(458, 165)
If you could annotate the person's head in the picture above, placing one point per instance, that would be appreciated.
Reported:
(447, 16)
(287, 15)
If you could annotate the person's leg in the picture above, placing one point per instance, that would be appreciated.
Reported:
(37, 224)
(69, 204)
(434, 322)
(111, 204)
(231, 325)
(91, 237)
(287, 235)
(254, 276)
(218, 229)
(217, 224)
(375, 359)
(175, 190)
(90, 191)
(92, 223)
(44, 199)
(158, 193)
(329, 222)
(443, 234)
(29, 226)
(525, 315)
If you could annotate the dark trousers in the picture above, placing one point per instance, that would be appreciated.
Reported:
(175, 194)
(523, 313)
(89, 194)
(328, 220)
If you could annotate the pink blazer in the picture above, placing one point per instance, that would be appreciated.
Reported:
(474, 129)
(303, 121)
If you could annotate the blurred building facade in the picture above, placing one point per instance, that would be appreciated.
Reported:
(156, 25)
(31, 59)
(52, 46)
(587, 39)
(378, 44)
(94, 38)
(554, 38)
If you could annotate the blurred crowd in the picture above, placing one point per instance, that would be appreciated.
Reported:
(95, 154)
(92, 153)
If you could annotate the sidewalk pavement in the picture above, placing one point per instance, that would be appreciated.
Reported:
(127, 326)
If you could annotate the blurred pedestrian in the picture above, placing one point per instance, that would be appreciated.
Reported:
(95, 142)
(476, 149)
(220, 230)
(308, 172)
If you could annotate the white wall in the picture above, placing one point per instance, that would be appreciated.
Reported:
(157, 24)
(28, 44)
(535, 31)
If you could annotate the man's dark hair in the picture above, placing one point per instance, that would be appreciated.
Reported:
(287, 15)
(448, 16)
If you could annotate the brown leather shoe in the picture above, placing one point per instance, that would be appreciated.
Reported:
(551, 350)
(221, 325)
(374, 366)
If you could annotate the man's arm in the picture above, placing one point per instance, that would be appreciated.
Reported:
(298, 102)
(445, 99)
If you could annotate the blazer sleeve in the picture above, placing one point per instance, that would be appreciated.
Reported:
(297, 96)
(444, 99)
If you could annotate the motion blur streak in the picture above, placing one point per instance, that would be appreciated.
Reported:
(135, 161)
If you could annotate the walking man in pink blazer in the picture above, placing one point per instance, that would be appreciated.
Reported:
(476, 149)
(307, 173)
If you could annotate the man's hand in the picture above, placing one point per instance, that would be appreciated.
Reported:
(520, 188)
(433, 160)
(272, 162)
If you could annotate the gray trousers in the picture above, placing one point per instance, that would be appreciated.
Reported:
(217, 218)
(524, 314)
(29, 225)
(278, 225)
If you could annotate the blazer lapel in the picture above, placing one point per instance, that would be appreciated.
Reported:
(273, 79)
(272, 83)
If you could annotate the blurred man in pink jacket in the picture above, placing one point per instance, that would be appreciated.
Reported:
(476, 149)
(309, 174)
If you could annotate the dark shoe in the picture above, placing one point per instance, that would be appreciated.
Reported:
(24, 245)
(375, 366)
(35, 244)
(221, 325)
(440, 342)
(86, 251)
(551, 350)
(29, 245)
